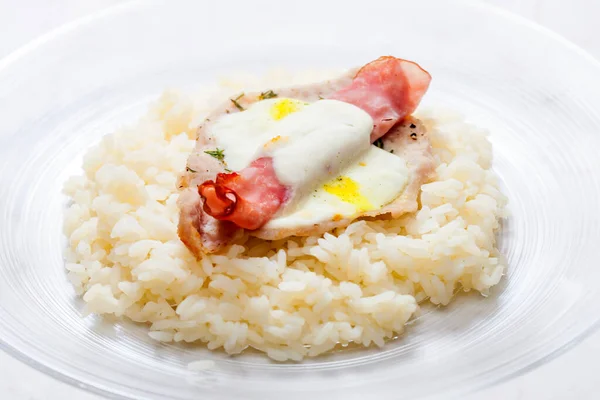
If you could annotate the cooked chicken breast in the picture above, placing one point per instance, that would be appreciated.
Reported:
(282, 162)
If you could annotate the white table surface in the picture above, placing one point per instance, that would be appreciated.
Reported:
(569, 376)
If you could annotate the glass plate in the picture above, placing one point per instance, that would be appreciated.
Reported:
(538, 95)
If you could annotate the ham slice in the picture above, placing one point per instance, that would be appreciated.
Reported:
(216, 205)
(248, 198)
(388, 89)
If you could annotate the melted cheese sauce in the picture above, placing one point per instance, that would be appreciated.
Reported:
(321, 150)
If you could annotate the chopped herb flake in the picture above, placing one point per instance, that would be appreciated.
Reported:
(269, 94)
(188, 169)
(379, 143)
(227, 170)
(236, 104)
(217, 153)
(321, 97)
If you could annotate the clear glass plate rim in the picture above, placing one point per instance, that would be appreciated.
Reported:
(55, 372)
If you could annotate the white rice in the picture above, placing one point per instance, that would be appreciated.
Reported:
(290, 298)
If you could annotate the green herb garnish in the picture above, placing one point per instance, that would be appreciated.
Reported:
(217, 153)
(378, 143)
(188, 169)
(236, 104)
(321, 97)
(269, 94)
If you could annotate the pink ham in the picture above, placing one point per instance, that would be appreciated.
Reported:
(388, 89)
(407, 139)
(248, 198)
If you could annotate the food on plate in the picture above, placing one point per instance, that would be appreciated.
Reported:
(348, 259)
(300, 161)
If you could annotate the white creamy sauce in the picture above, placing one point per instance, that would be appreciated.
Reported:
(321, 150)
(319, 142)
